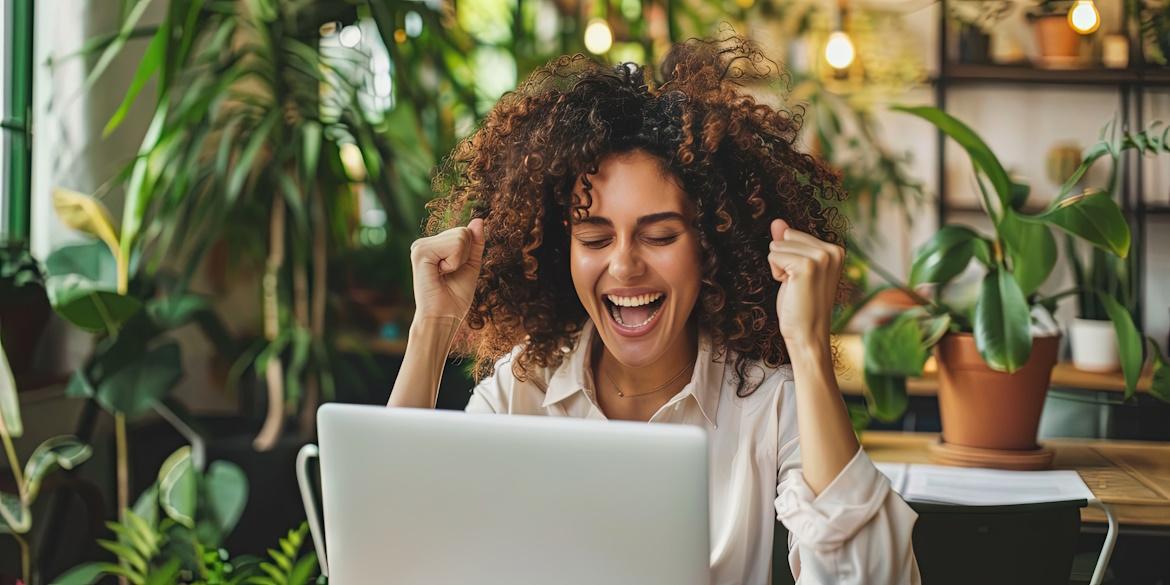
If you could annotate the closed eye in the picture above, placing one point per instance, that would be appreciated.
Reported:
(594, 244)
(662, 240)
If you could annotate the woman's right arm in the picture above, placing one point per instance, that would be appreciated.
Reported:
(445, 269)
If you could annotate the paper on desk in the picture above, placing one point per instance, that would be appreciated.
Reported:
(983, 487)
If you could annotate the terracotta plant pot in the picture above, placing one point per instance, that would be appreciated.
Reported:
(986, 409)
(1058, 43)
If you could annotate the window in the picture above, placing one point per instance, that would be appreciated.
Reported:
(16, 54)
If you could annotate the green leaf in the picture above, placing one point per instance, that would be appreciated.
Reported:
(133, 389)
(944, 256)
(82, 284)
(146, 506)
(174, 311)
(1002, 323)
(166, 574)
(934, 328)
(86, 574)
(895, 348)
(92, 260)
(178, 487)
(226, 489)
(9, 402)
(147, 65)
(79, 385)
(244, 166)
(14, 514)
(127, 554)
(1094, 217)
(137, 533)
(88, 307)
(57, 452)
(1129, 341)
(140, 188)
(981, 156)
(304, 570)
(1160, 385)
(1032, 249)
(887, 396)
(859, 417)
(1020, 192)
(982, 251)
(117, 43)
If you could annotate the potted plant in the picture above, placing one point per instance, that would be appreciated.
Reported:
(264, 134)
(176, 530)
(975, 24)
(24, 306)
(16, 517)
(1154, 21)
(995, 358)
(1058, 44)
(1092, 335)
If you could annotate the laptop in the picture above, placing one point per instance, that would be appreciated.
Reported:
(414, 496)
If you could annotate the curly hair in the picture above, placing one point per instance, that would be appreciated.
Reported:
(734, 157)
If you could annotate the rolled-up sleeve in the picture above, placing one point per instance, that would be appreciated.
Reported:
(857, 530)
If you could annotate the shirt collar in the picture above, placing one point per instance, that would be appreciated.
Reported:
(575, 375)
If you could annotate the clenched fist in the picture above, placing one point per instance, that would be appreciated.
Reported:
(446, 267)
(808, 269)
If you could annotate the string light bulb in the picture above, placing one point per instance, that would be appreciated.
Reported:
(1084, 17)
(598, 36)
(839, 50)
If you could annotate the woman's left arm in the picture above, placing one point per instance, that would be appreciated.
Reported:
(809, 271)
(847, 525)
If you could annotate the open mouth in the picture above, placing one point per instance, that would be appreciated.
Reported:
(635, 312)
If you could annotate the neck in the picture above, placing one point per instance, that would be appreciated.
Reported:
(681, 354)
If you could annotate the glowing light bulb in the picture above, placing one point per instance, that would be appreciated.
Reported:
(839, 50)
(598, 37)
(1084, 17)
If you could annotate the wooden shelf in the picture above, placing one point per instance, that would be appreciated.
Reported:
(1064, 375)
(966, 73)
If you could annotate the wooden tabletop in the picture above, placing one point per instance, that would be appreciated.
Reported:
(1132, 477)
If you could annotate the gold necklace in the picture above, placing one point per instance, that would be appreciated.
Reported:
(654, 391)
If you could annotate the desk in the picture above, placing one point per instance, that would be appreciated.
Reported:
(1132, 477)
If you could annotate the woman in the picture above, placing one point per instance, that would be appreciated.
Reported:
(660, 254)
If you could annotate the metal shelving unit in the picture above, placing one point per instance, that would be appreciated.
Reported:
(1131, 85)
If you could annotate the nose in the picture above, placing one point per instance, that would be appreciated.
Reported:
(625, 265)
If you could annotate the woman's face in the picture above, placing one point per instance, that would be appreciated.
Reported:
(635, 259)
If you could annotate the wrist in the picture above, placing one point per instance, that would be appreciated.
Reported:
(432, 331)
(813, 349)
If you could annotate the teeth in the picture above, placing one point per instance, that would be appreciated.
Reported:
(633, 302)
(636, 301)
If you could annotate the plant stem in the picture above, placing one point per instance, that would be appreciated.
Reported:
(25, 558)
(986, 199)
(123, 464)
(13, 462)
(890, 278)
(123, 472)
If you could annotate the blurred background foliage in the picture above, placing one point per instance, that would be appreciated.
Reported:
(295, 141)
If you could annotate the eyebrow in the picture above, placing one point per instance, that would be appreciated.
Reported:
(645, 219)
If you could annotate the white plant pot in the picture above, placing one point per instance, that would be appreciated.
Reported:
(1094, 345)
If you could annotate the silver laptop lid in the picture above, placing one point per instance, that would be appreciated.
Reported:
(430, 497)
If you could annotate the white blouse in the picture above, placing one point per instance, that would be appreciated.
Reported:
(856, 531)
